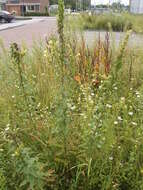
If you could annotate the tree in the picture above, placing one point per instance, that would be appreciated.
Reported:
(74, 4)
(52, 2)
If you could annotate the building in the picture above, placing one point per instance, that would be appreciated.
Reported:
(136, 6)
(2, 4)
(97, 10)
(20, 7)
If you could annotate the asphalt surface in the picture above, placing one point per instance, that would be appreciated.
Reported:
(115, 38)
(40, 28)
(28, 31)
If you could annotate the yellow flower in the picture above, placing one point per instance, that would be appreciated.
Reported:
(16, 153)
(141, 171)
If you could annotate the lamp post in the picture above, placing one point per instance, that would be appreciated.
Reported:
(77, 5)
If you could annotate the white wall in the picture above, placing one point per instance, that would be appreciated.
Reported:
(136, 6)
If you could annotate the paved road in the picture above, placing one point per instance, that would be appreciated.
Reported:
(135, 40)
(39, 28)
(27, 31)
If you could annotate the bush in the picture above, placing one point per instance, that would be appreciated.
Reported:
(36, 14)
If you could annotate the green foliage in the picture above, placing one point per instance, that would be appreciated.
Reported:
(123, 46)
(116, 22)
(73, 4)
(71, 122)
(30, 170)
(28, 14)
(2, 181)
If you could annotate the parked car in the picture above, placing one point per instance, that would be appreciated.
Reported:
(5, 16)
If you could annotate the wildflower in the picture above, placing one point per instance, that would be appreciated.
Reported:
(6, 129)
(78, 55)
(45, 53)
(119, 118)
(77, 78)
(115, 88)
(111, 158)
(13, 97)
(137, 93)
(134, 123)
(73, 108)
(39, 105)
(122, 99)
(130, 113)
(16, 153)
(138, 96)
(108, 106)
(141, 171)
(115, 122)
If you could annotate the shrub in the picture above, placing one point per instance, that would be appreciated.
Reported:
(36, 14)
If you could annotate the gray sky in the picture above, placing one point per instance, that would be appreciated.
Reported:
(126, 2)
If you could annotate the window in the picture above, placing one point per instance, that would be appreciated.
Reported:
(14, 1)
(30, 7)
(37, 8)
(33, 8)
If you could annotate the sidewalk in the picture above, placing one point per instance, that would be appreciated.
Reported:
(18, 23)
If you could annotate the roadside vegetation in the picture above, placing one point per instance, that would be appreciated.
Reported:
(71, 117)
(36, 14)
(115, 21)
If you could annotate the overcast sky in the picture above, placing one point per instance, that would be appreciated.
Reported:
(126, 2)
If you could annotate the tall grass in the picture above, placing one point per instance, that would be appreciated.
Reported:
(87, 137)
(116, 22)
